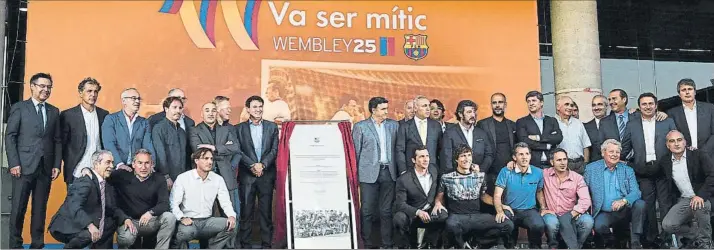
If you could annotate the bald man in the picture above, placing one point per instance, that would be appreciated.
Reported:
(575, 138)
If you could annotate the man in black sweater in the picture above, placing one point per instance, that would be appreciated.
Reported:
(144, 198)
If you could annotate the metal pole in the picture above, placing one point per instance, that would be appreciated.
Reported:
(3, 94)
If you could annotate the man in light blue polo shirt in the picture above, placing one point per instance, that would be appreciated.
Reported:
(522, 185)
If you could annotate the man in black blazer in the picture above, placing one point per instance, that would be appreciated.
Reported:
(170, 142)
(34, 152)
(502, 133)
(645, 137)
(409, 111)
(466, 132)
(417, 132)
(89, 215)
(81, 130)
(599, 108)
(694, 117)
(539, 131)
(415, 194)
(259, 146)
(690, 176)
(223, 142)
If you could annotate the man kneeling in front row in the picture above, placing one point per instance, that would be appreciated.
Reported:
(461, 190)
(690, 172)
(192, 198)
(415, 194)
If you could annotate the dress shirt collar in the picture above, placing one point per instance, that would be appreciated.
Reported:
(194, 174)
(99, 177)
(552, 172)
(648, 120)
(426, 172)
(85, 111)
(36, 102)
(418, 121)
(260, 123)
(517, 169)
(694, 107)
(132, 118)
(684, 158)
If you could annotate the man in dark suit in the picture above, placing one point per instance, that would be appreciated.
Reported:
(646, 138)
(417, 132)
(502, 133)
(81, 130)
(170, 142)
(184, 121)
(34, 152)
(539, 131)
(690, 176)
(409, 111)
(125, 131)
(599, 108)
(89, 215)
(258, 141)
(694, 117)
(466, 132)
(437, 113)
(221, 140)
(374, 140)
(416, 191)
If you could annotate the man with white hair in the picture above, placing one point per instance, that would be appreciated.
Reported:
(616, 197)
(575, 138)
(126, 131)
(418, 132)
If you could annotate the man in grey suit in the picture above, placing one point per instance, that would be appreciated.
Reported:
(647, 138)
(34, 152)
(417, 132)
(374, 140)
(466, 132)
(222, 141)
(125, 131)
(694, 117)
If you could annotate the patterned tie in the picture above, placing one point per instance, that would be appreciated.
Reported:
(621, 125)
(101, 221)
(422, 131)
(40, 106)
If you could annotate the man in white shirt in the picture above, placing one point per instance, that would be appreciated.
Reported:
(693, 118)
(575, 139)
(690, 173)
(192, 198)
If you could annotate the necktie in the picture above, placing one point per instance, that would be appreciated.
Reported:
(101, 221)
(621, 125)
(422, 131)
(40, 106)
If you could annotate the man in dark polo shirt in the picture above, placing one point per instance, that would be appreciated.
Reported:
(144, 198)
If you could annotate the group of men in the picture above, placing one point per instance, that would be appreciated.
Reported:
(470, 183)
(475, 183)
(157, 183)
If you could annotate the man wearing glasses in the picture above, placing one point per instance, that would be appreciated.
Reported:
(125, 131)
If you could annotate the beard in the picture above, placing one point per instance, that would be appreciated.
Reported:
(498, 112)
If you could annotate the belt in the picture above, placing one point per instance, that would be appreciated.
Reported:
(383, 166)
(649, 163)
(579, 159)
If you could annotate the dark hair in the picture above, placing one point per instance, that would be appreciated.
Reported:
(253, 98)
(519, 145)
(648, 94)
(220, 98)
(89, 80)
(686, 82)
(171, 99)
(575, 105)
(419, 148)
(462, 105)
(461, 149)
(200, 152)
(35, 77)
(501, 94)
(557, 150)
(535, 94)
(623, 94)
(375, 101)
(440, 105)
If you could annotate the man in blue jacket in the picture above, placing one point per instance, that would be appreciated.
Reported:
(125, 132)
(615, 194)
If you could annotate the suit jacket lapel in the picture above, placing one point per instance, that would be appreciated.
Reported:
(534, 123)
(414, 131)
(266, 133)
(80, 119)
(206, 134)
(461, 133)
(491, 127)
(135, 125)
(123, 123)
(388, 137)
(373, 129)
(417, 183)
(701, 119)
(220, 134)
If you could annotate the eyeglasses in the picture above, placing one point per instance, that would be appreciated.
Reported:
(42, 86)
(133, 98)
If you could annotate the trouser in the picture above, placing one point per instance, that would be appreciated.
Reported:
(161, 226)
(654, 190)
(262, 188)
(406, 226)
(37, 184)
(84, 238)
(459, 225)
(531, 220)
(372, 194)
(212, 228)
(573, 231)
(635, 215)
(679, 218)
(577, 165)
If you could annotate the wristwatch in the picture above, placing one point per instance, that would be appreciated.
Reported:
(151, 212)
(624, 200)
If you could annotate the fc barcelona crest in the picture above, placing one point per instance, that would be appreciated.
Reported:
(415, 46)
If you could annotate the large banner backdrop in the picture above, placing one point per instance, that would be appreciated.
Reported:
(310, 60)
